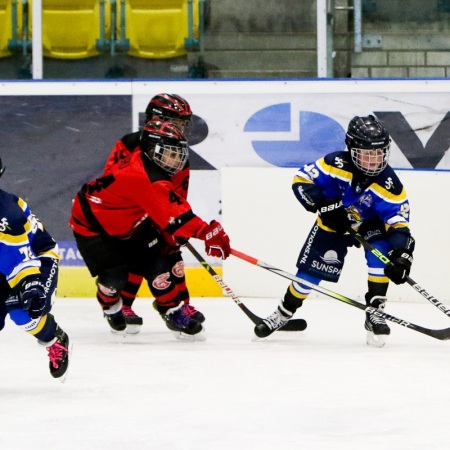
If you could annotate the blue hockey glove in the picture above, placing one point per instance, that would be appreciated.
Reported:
(334, 215)
(33, 299)
(398, 269)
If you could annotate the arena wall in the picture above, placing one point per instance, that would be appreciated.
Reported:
(57, 135)
(266, 221)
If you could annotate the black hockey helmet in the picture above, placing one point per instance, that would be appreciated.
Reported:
(165, 145)
(368, 133)
(169, 108)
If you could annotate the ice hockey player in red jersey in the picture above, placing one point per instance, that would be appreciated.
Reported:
(167, 108)
(132, 220)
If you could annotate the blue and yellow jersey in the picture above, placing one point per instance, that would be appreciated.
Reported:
(23, 240)
(335, 176)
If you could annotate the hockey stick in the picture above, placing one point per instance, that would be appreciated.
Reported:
(442, 335)
(383, 258)
(292, 325)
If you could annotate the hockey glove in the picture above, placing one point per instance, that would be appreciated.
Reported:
(217, 242)
(334, 215)
(33, 299)
(398, 269)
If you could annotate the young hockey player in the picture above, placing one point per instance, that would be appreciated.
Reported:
(29, 273)
(357, 188)
(131, 220)
(167, 108)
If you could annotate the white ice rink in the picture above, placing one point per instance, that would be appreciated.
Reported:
(318, 389)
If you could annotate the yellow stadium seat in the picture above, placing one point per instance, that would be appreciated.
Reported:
(70, 28)
(157, 28)
(6, 27)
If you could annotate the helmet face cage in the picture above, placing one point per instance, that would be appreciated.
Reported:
(171, 158)
(372, 161)
(369, 144)
(165, 145)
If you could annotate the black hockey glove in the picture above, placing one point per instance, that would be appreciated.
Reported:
(398, 269)
(33, 299)
(334, 215)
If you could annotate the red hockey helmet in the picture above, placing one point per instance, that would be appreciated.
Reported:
(165, 145)
(169, 108)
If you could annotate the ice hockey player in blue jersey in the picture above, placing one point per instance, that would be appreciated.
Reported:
(28, 278)
(355, 187)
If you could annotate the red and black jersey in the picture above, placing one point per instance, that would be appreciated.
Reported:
(129, 144)
(123, 149)
(133, 190)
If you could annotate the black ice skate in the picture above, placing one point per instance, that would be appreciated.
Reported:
(183, 325)
(116, 322)
(115, 317)
(272, 323)
(193, 312)
(58, 353)
(377, 328)
(132, 320)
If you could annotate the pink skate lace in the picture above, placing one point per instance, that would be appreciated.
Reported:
(127, 311)
(189, 310)
(55, 353)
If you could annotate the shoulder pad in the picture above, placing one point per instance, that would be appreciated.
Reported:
(338, 159)
(389, 180)
(131, 141)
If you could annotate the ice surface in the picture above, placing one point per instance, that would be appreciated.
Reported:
(318, 389)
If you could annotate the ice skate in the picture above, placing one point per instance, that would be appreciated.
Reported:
(272, 323)
(132, 320)
(183, 326)
(376, 326)
(193, 312)
(117, 322)
(58, 353)
(115, 317)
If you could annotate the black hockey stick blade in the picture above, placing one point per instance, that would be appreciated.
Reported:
(442, 335)
(383, 258)
(292, 325)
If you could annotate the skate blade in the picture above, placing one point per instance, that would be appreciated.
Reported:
(133, 329)
(122, 333)
(376, 340)
(199, 337)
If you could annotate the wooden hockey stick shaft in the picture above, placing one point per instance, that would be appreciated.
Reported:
(442, 335)
(383, 258)
(292, 325)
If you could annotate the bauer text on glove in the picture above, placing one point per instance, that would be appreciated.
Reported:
(32, 297)
(398, 269)
(334, 215)
(217, 242)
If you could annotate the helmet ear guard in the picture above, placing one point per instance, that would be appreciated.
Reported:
(165, 145)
